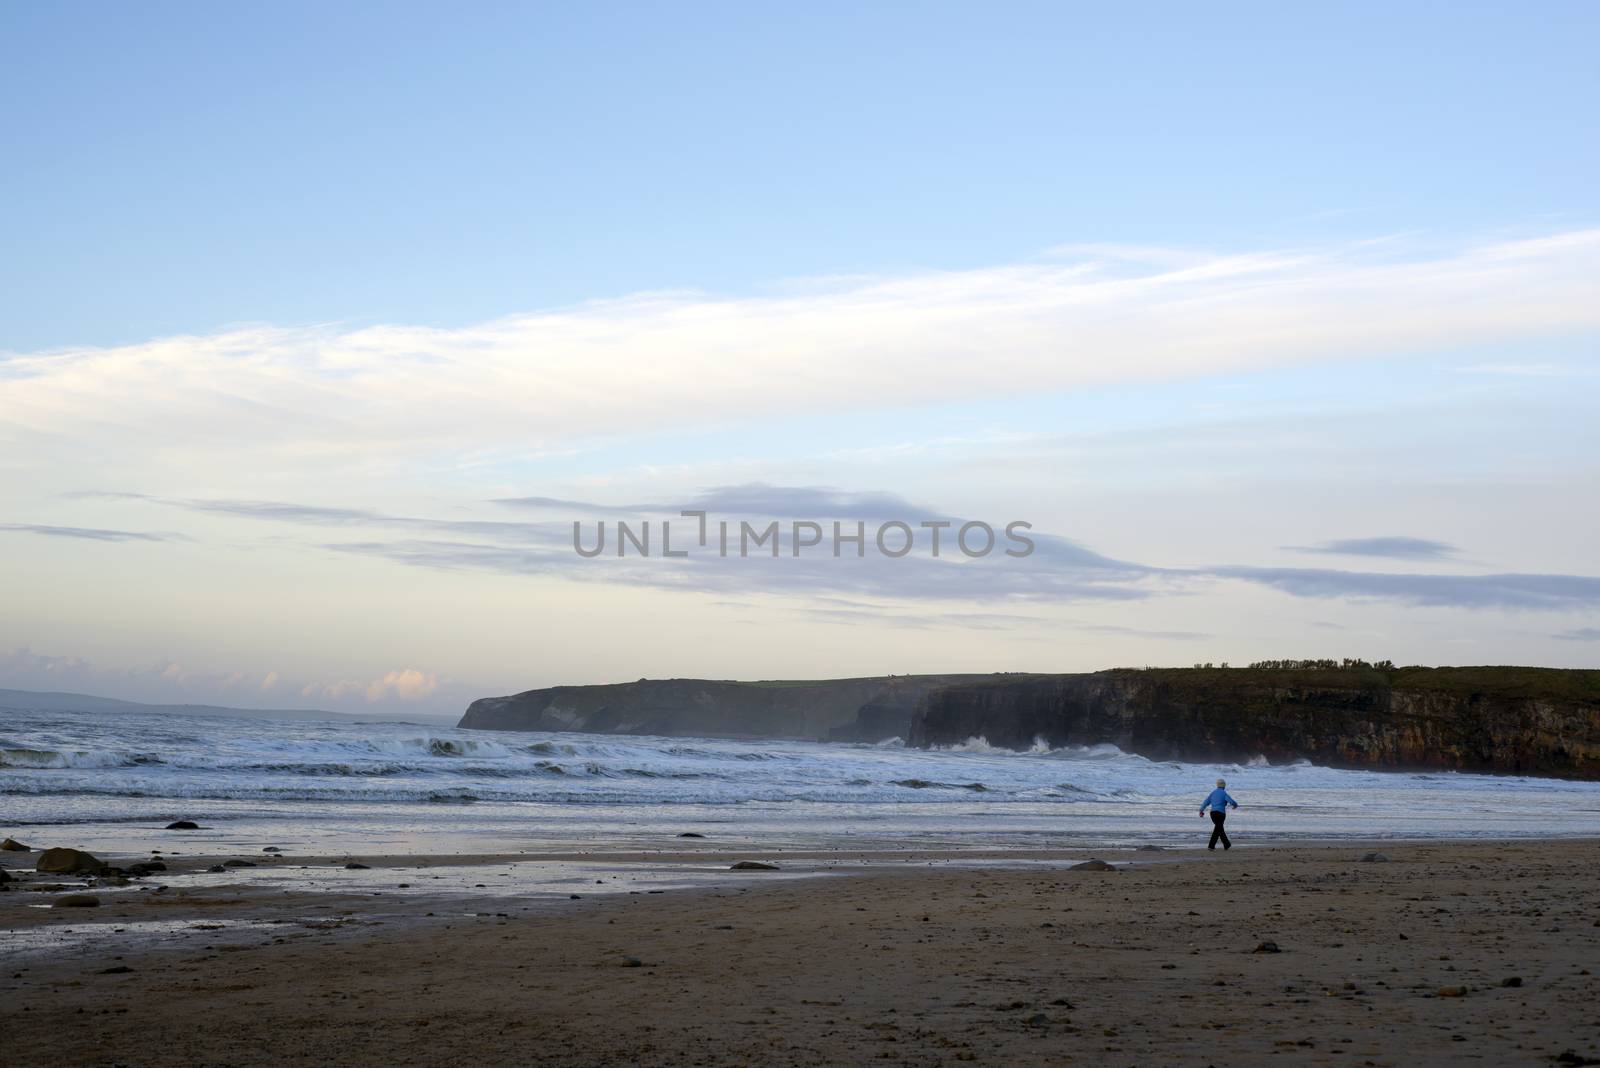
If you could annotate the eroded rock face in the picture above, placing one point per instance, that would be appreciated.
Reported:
(1530, 721)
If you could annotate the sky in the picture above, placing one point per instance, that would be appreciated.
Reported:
(321, 326)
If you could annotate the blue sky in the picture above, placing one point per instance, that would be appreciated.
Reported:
(177, 167)
(1233, 297)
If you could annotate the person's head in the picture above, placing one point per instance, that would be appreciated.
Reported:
(1222, 784)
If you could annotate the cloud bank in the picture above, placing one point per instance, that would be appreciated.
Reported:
(387, 395)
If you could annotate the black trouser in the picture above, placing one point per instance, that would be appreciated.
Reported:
(1217, 819)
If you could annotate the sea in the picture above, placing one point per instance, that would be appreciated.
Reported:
(111, 781)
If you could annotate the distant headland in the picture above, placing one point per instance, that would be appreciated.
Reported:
(1342, 713)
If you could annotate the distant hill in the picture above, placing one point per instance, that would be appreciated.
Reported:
(837, 710)
(53, 701)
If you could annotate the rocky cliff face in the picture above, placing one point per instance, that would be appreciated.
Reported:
(841, 710)
(1531, 721)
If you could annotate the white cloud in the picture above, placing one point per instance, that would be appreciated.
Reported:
(301, 399)
(406, 684)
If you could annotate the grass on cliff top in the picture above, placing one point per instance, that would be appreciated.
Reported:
(1508, 681)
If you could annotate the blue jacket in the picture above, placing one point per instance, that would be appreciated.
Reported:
(1217, 800)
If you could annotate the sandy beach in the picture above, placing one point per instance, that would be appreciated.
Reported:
(1445, 953)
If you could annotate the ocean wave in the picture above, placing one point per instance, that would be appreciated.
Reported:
(21, 757)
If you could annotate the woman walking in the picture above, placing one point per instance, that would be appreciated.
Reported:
(1218, 802)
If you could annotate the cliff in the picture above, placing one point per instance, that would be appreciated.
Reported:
(1531, 721)
(840, 710)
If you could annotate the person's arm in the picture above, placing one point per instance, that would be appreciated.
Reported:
(1231, 801)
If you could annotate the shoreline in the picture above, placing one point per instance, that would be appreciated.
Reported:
(842, 957)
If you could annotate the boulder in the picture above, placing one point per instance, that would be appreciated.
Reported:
(357, 866)
(1374, 858)
(11, 845)
(76, 901)
(752, 865)
(691, 834)
(1093, 865)
(1267, 947)
(238, 864)
(68, 862)
(183, 825)
(5, 877)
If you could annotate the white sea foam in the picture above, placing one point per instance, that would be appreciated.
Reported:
(112, 768)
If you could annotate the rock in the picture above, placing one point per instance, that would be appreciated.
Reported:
(11, 845)
(272, 849)
(1038, 1019)
(1152, 849)
(76, 901)
(5, 877)
(1093, 865)
(183, 825)
(238, 864)
(68, 862)
(1513, 980)
(1525, 721)
(355, 866)
(1374, 858)
(118, 969)
(216, 867)
(1568, 1056)
(145, 867)
(1267, 947)
(691, 834)
(632, 962)
(1452, 991)
(752, 865)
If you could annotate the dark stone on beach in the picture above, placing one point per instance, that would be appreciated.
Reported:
(1152, 849)
(1267, 947)
(76, 901)
(1452, 991)
(11, 845)
(915, 784)
(148, 866)
(1568, 1056)
(1038, 1019)
(272, 849)
(632, 962)
(216, 867)
(1092, 865)
(5, 877)
(69, 862)
(691, 834)
(356, 866)
(120, 969)
(238, 864)
(1514, 980)
(752, 865)
(183, 825)
(1374, 858)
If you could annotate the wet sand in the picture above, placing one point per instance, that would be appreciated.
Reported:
(915, 959)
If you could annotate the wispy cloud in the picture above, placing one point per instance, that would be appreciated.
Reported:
(1538, 592)
(90, 533)
(1394, 547)
(1581, 634)
(1058, 571)
(330, 398)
